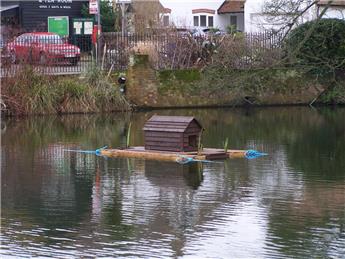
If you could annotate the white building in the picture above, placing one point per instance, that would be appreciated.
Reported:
(335, 10)
(205, 13)
(243, 15)
(256, 20)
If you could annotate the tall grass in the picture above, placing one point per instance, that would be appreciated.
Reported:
(30, 92)
(128, 135)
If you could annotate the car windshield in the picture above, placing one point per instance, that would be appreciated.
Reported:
(50, 39)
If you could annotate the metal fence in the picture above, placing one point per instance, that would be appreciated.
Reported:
(176, 50)
(165, 50)
(50, 54)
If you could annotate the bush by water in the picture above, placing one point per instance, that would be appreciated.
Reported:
(32, 93)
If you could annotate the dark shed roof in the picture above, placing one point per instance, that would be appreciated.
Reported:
(169, 123)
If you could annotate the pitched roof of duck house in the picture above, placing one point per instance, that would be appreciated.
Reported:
(169, 123)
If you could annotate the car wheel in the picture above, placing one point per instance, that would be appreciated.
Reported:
(43, 59)
(13, 57)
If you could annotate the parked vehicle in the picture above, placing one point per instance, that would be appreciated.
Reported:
(205, 32)
(43, 48)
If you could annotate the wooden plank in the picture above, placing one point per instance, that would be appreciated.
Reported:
(176, 124)
(167, 123)
(173, 125)
(190, 149)
(158, 142)
(192, 132)
(174, 149)
(165, 130)
(236, 153)
(162, 139)
(162, 134)
(186, 119)
(141, 152)
(162, 144)
(216, 156)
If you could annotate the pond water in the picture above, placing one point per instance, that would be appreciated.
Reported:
(290, 203)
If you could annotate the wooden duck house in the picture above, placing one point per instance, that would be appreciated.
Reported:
(172, 133)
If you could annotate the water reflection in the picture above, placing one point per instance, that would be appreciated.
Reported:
(289, 204)
(174, 175)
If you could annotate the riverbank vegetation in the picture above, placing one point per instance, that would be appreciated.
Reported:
(304, 66)
(30, 92)
(309, 59)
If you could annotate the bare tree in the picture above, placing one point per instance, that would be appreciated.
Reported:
(146, 14)
(287, 14)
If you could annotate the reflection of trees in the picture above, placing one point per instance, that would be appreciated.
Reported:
(299, 217)
(313, 139)
(40, 190)
(313, 226)
(141, 201)
(49, 187)
(305, 214)
(318, 151)
(89, 131)
(241, 126)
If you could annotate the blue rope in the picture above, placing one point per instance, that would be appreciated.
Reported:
(252, 154)
(96, 152)
(185, 160)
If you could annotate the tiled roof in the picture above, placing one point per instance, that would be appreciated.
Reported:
(166, 10)
(169, 123)
(232, 6)
(332, 3)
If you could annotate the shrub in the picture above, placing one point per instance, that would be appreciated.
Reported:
(30, 92)
(318, 44)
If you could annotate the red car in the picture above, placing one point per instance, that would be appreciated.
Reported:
(43, 48)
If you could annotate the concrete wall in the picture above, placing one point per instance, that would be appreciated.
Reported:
(146, 90)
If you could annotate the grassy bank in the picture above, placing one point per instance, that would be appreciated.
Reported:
(295, 85)
(32, 93)
(255, 86)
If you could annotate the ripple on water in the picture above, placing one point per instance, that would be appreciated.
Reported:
(289, 204)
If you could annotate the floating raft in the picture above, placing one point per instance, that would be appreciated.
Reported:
(206, 154)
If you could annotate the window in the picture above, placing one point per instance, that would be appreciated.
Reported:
(203, 20)
(50, 39)
(166, 20)
(210, 21)
(196, 20)
(20, 39)
(233, 21)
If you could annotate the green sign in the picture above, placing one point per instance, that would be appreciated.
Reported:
(82, 26)
(58, 25)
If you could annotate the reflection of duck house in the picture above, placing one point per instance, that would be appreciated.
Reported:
(172, 133)
(173, 175)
